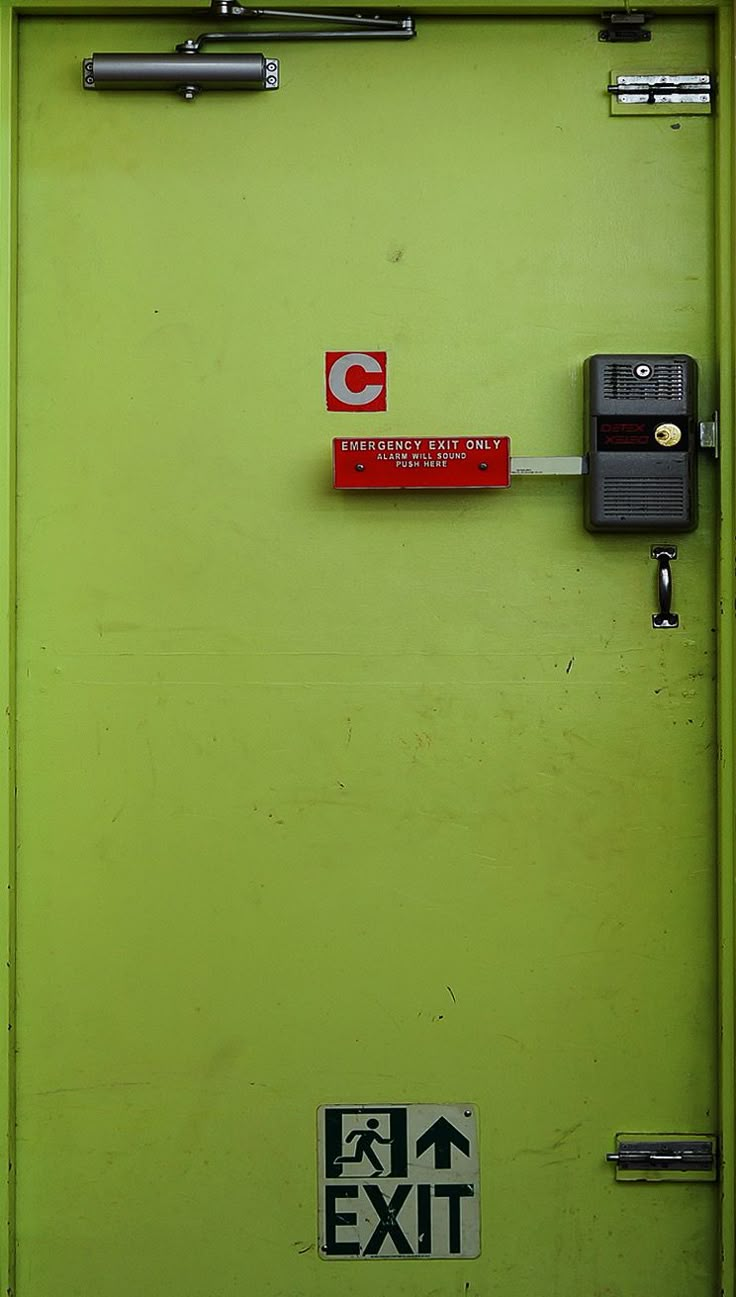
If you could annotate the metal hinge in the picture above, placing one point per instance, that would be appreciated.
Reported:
(709, 435)
(625, 26)
(662, 88)
(665, 1157)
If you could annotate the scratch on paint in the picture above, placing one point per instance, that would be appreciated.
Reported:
(565, 1134)
(452, 994)
(152, 763)
(556, 1143)
(83, 1089)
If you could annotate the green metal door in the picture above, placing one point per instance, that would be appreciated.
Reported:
(382, 798)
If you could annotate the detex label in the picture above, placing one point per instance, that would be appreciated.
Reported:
(355, 381)
(418, 463)
(398, 1180)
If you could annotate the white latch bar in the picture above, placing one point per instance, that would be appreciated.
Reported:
(549, 465)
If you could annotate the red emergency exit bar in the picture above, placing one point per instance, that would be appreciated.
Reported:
(419, 463)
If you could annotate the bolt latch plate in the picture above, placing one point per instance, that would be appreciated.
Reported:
(669, 93)
(665, 1157)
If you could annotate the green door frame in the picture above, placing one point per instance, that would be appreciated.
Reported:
(725, 209)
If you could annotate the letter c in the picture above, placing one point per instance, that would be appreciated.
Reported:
(338, 374)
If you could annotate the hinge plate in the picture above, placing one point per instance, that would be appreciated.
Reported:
(681, 1158)
(625, 26)
(709, 435)
(660, 93)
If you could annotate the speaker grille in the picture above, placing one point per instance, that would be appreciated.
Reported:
(655, 498)
(666, 384)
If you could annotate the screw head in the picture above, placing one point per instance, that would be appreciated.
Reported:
(483, 467)
(643, 371)
(360, 468)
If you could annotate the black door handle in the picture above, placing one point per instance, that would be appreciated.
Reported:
(665, 619)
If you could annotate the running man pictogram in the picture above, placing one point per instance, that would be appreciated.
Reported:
(365, 1137)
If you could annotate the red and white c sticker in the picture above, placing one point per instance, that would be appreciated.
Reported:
(355, 380)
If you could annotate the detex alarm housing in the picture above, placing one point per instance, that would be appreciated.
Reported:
(641, 414)
(640, 465)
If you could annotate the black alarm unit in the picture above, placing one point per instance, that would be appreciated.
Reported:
(641, 414)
